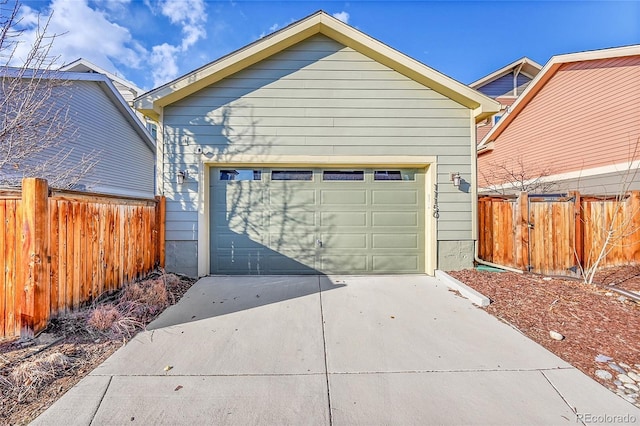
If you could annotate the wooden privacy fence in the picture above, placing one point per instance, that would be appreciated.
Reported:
(559, 235)
(61, 249)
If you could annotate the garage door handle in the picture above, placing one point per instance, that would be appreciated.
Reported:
(319, 243)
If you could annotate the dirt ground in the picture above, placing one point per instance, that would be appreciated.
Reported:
(594, 320)
(35, 373)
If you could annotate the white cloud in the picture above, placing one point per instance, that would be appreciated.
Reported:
(164, 61)
(81, 32)
(88, 29)
(191, 15)
(342, 16)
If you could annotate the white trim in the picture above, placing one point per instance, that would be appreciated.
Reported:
(83, 62)
(506, 70)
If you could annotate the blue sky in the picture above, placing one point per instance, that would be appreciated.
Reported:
(150, 42)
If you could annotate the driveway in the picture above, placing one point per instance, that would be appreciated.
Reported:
(333, 350)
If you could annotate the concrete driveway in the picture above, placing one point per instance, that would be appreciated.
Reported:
(333, 350)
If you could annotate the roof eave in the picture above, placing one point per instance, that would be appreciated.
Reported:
(152, 102)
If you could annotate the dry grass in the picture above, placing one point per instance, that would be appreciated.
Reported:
(28, 378)
(34, 374)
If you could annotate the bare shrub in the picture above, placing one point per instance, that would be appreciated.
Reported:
(103, 317)
(152, 294)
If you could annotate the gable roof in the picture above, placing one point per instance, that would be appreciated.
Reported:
(541, 80)
(101, 80)
(82, 65)
(525, 65)
(320, 22)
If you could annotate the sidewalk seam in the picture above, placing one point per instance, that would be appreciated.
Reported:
(93, 416)
(561, 396)
(324, 347)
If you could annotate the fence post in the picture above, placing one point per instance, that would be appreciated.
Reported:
(634, 255)
(523, 224)
(161, 226)
(579, 228)
(34, 280)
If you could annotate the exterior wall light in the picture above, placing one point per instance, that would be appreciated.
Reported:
(455, 178)
(182, 176)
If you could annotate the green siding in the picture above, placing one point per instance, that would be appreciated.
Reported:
(320, 98)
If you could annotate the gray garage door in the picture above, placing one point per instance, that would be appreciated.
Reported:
(309, 221)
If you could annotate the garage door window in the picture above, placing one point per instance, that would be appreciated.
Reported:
(408, 175)
(241, 174)
(292, 175)
(342, 175)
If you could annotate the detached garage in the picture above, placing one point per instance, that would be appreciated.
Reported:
(316, 150)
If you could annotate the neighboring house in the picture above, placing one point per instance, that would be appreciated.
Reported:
(504, 85)
(128, 90)
(101, 125)
(577, 125)
(317, 149)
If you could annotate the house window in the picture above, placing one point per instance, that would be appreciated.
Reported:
(241, 174)
(292, 175)
(408, 175)
(496, 118)
(153, 130)
(343, 175)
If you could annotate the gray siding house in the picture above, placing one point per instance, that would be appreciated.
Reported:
(103, 126)
(317, 149)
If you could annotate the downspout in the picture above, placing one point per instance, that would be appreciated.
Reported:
(474, 209)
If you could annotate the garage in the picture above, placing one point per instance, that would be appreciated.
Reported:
(317, 149)
(317, 220)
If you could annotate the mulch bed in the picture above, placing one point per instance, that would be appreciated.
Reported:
(593, 319)
(35, 373)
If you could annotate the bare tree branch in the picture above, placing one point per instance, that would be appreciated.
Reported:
(516, 175)
(37, 133)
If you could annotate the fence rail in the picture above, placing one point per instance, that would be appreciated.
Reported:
(62, 249)
(559, 235)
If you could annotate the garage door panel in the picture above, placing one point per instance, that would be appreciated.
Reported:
(395, 241)
(343, 196)
(291, 241)
(234, 241)
(240, 262)
(347, 263)
(398, 197)
(239, 221)
(292, 198)
(401, 263)
(343, 241)
(229, 197)
(282, 264)
(290, 220)
(394, 218)
(338, 218)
